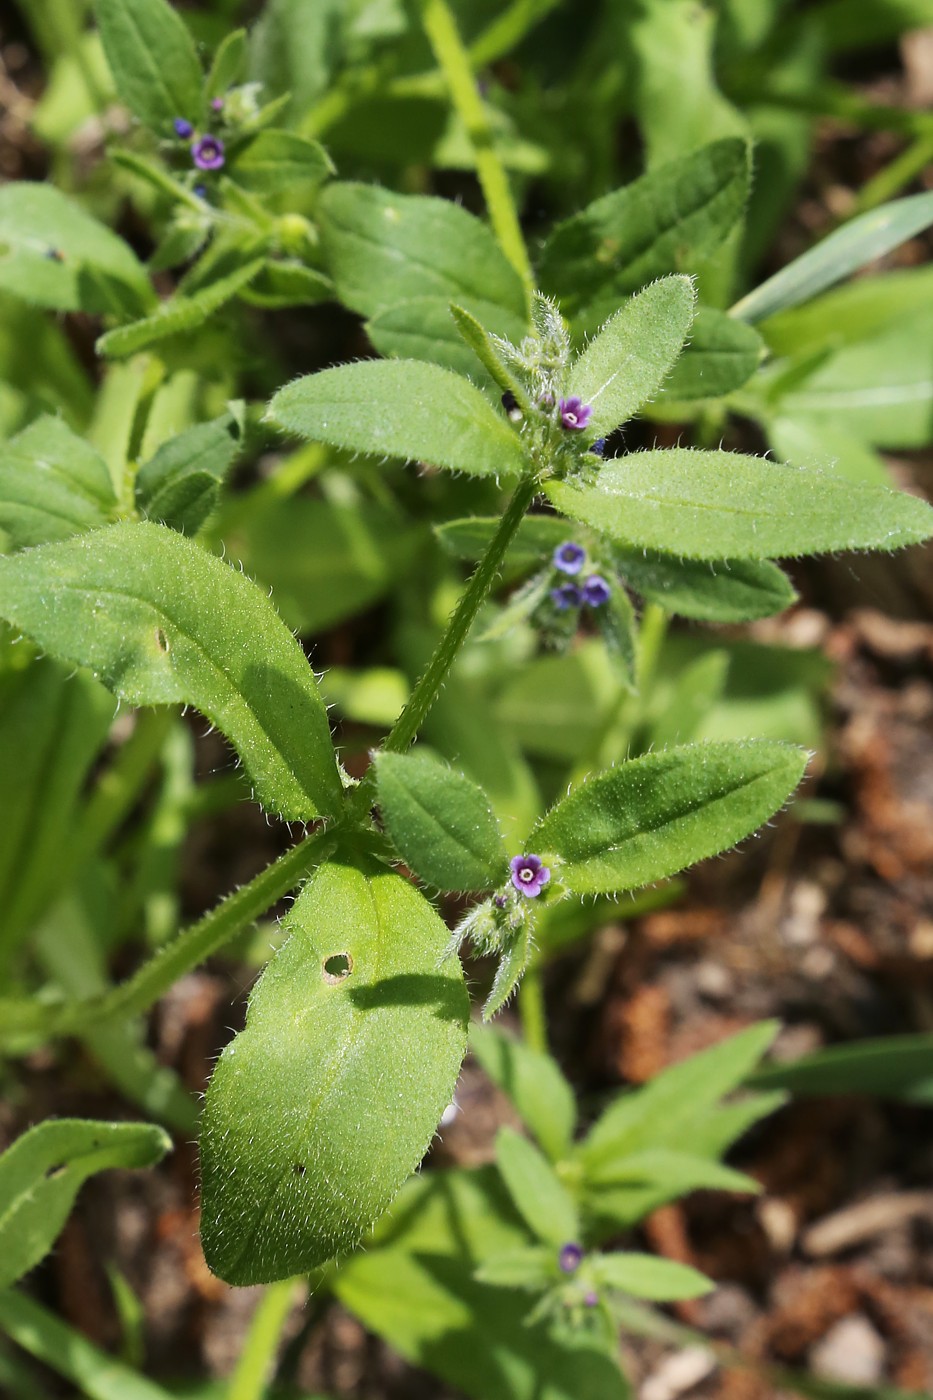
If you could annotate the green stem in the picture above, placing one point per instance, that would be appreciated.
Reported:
(426, 691)
(254, 1367)
(531, 1009)
(198, 942)
(891, 180)
(454, 61)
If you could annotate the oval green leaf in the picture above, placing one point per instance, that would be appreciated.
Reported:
(42, 1172)
(153, 60)
(631, 356)
(721, 355)
(649, 818)
(644, 1276)
(323, 1105)
(402, 408)
(729, 590)
(537, 1192)
(440, 822)
(721, 505)
(160, 621)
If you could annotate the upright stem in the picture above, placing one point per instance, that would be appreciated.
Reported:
(254, 1366)
(428, 687)
(196, 943)
(454, 61)
(531, 1008)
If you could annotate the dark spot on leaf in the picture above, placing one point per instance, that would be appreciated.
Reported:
(299, 1168)
(337, 967)
(161, 640)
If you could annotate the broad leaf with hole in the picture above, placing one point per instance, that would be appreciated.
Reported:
(161, 622)
(402, 408)
(658, 814)
(55, 254)
(153, 60)
(42, 1172)
(181, 482)
(440, 822)
(52, 484)
(628, 361)
(327, 1101)
(721, 505)
(665, 221)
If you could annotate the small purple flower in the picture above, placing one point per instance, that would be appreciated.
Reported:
(591, 1299)
(598, 447)
(529, 875)
(566, 595)
(201, 191)
(217, 104)
(569, 1258)
(574, 413)
(569, 557)
(596, 591)
(208, 153)
(183, 128)
(500, 901)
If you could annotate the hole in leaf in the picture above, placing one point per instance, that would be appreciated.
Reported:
(337, 967)
(299, 1168)
(161, 640)
(52, 1172)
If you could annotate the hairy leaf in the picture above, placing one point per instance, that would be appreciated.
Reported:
(660, 813)
(275, 160)
(720, 505)
(644, 1276)
(721, 355)
(440, 822)
(382, 248)
(180, 313)
(533, 1082)
(415, 1286)
(55, 254)
(52, 485)
(631, 356)
(323, 1105)
(180, 483)
(423, 328)
(540, 1197)
(160, 622)
(664, 221)
(153, 60)
(402, 408)
(728, 590)
(42, 1172)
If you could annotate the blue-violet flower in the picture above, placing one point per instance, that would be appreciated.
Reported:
(574, 413)
(569, 557)
(598, 447)
(183, 128)
(208, 153)
(596, 591)
(566, 595)
(529, 875)
(569, 1258)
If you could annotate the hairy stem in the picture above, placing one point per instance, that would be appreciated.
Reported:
(531, 1009)
(454, 61)
(198, 942)
(426, 691)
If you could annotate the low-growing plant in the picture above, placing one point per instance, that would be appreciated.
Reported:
(524, 748)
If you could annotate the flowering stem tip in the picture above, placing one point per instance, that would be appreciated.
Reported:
(574, 413)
